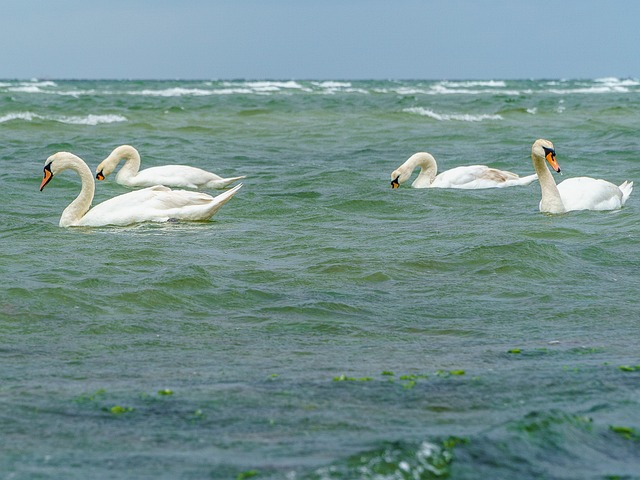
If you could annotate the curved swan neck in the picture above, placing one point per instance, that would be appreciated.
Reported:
(131, 159)
(551, 201)
(82, 203)
(428, 168)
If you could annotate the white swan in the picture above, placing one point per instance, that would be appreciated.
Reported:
(153, 204)
(579, 193)
(469, 177)
(168, 175)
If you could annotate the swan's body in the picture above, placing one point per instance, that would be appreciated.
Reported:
(469, 177)
(182, 176)
(153, 204)
(579, 193)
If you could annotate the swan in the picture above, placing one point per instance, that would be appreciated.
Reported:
(579, 193)
(468, 177)
(152, 204)
(167, 175)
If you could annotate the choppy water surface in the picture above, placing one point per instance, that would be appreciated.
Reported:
(322, 325)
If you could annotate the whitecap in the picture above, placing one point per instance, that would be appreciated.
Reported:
(475, 83)
(446, 117)
(27, 116)
(332, 84)
(269, 85)
(72, 120)
(38, 83)
(171, 92)
(617, 82)
(25, 89)
(587, 90)
(91, 119)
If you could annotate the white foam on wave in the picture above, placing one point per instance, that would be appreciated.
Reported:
(25, 89)
(271, 85)
(332, 84)
(442, 89)
(597, 86)
(38, 83)
(91, 119)
(229, 88)
(447, 117)
(171, 92)
(614, 81)
(475, 84)
(587, 90)
(71, 120)
(27, 116)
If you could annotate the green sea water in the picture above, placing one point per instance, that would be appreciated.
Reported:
(321, 325)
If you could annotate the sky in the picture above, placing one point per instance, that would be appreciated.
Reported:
(320, 39)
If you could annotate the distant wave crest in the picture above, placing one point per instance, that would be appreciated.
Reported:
(446, 117)
(78, 89)
(71, 120)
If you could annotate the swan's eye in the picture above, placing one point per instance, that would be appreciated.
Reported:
(548, 151)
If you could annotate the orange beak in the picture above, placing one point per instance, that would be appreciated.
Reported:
(46, 179)
(551, 158)
(395, 183)
(99, 175)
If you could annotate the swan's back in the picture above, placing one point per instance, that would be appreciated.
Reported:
(478, 177)
(586, 193)
(156, 204)
(183, 176)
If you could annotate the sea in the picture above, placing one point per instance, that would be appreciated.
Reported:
(321, 325)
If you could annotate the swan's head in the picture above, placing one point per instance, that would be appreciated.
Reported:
(104, 170)
(399, 176)
(55, 164)
(109, 164)
(428, 169)
(544, 149)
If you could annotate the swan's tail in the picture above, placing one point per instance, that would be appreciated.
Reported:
(223, 182)
(219, 200)
(626, 188)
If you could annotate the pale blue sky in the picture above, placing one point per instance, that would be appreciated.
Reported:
(328, 39)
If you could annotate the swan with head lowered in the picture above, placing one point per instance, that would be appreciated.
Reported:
(152, 204)
(182, 176)
(578, 193)
(467, 177)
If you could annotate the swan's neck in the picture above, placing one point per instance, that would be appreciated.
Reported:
(551, 201)
(131, 165)
(81, 205)
(428, 169)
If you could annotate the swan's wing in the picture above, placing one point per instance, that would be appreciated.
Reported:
(585, 193)
(175, 176)
(473, 176)
(152, 204)
(156, 204)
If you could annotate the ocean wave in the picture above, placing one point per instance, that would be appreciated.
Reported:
(71, 120)
(603, 85)
(597, 86)
(614, 81)
(446, 117)
(171, 92)
(228, 88)
(475, 83)
(444, 89)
